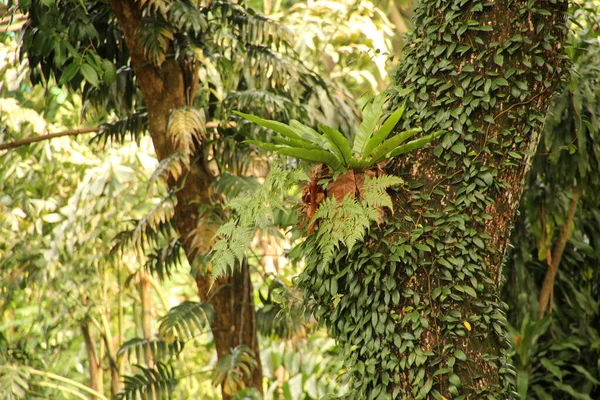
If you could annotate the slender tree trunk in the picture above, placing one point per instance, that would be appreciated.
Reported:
(147, 318)
(93, 359)
(418, 312)
(164, 90)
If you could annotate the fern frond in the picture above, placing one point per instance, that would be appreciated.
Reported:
(15, 382)
(161, 348)
(346, 222)
(374, 190)
(232, 245)
(152, 383)
(185, 321)
(200, 239)
(164, 260)
(254, 210)
(232, 369)
(187, 128)
(147, 231)
(134, 125)
(170, 167)
(186, 16)
(155, 35)
(233, 185)
(250, 28)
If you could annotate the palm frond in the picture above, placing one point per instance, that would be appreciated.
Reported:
(186, 16)
(155, 35)
(165, 259)
(248, 27)
(187, 128)
(149, 229)
(150, 384)
(170, 167)
(232, 369)
(134, 125)
(186, 320)
(161, 348)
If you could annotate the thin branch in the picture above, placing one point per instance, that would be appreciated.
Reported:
(79, 131)
(554, 260)
(29, 140)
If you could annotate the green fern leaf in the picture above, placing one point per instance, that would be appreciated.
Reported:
(384, 131)
(185, 320)
(371, 115)
(152, 383)
(415, 144)
(384, 148)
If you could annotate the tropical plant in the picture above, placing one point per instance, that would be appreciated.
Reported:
(371, 145)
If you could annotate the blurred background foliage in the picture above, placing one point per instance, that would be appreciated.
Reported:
(69, 305)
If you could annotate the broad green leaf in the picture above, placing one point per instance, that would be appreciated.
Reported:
(384, 131)
(90, 74)
(371, 115)
(69, 72)
(264, 145)
(522, 384)
(276, 126)
(308, 133)
(300, 143)
(338, 141)
(319, 156)
(384, 148)
(415, 144)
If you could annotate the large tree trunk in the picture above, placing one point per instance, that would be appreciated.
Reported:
(164, 90)
(426, 321)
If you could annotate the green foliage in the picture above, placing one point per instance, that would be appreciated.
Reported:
(151, 383)
(160, 348)
(185, 321)
(345, 223)
(233, 368)
(253, 211)
(557, 357)
(331, 147)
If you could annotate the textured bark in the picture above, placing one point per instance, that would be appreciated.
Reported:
(164, 90)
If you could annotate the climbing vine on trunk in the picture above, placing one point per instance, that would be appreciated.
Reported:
(415, 308)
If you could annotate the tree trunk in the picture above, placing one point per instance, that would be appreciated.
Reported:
(419, 314)
(93, 359)
(164, 90)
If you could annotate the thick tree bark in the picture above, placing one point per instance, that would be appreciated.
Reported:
(164, 90)
(418, 313)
